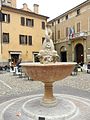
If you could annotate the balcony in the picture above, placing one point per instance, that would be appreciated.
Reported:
(80, 35)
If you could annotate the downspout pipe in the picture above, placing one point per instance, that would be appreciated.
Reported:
(1, 25)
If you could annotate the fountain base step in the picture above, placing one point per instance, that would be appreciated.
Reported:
(29, 108)
(64, 109)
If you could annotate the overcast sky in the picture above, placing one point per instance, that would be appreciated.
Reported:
(51, 8)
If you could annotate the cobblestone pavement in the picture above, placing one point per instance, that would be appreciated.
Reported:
(13, 85)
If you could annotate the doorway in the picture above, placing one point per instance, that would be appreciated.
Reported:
(14, 58)
(63, 56)
(79, 53)
(35, 57)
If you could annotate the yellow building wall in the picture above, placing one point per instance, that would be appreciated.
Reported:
(14, 28)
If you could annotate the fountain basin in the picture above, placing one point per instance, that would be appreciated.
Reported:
(48, 73)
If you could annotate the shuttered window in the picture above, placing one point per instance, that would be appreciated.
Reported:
(66, 31)
(29, 22)
(30, 40)
(5, 37)
(23, 39)
(43, 25)
(58, 34)
(22, 21)
(6, 17)
(78, 27)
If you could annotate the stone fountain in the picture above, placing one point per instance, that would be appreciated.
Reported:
(48, 71)
(49, 106)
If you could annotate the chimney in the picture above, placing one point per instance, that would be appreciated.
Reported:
(25, 7)
(36, 8)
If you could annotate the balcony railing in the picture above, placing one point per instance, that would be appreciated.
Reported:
(79, 35)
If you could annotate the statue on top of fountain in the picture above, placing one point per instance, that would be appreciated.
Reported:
(48, 54)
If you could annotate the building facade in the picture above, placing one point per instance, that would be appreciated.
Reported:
(21, 32)
(71, 34)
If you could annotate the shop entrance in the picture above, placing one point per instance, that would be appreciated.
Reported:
(14, 58)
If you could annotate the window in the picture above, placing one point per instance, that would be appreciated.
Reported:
(29, 22)
(78, 27)
(53, 36)
(78, 12)
(30, 40)
(5, 37)
(52, 23)
(66, 31)
(23, 39)
(43, 38)
(0, 16)
(22, 21)
(58, 34)
(43, 25)
(66, 17)
(58, 21)
(5, 17)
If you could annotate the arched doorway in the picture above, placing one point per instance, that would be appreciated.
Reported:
(63, 54)
(79, 53)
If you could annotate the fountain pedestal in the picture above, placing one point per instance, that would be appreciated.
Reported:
(48, 98)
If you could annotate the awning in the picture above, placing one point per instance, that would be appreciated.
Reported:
(15, 52)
